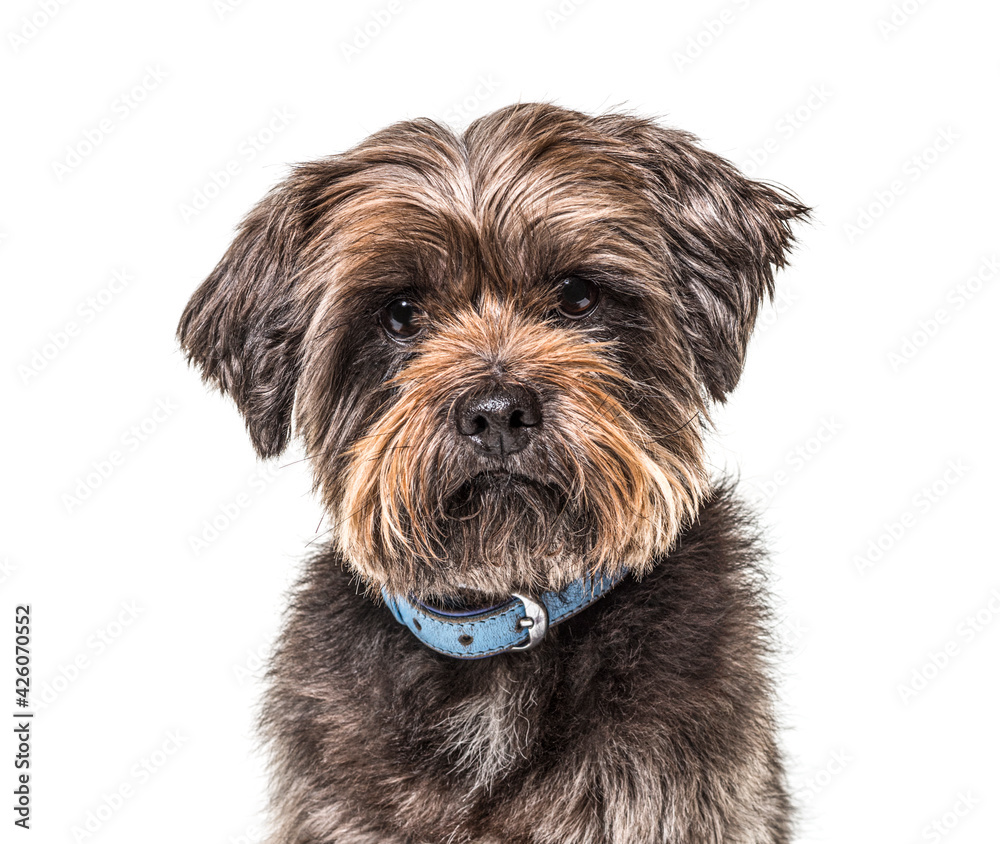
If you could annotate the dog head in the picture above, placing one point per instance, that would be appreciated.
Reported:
(498, 347)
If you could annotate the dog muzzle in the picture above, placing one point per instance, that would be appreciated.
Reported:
(518, 624)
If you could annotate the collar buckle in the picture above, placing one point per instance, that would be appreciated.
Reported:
(535, 621)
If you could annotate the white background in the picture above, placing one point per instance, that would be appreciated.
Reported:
(865, 425)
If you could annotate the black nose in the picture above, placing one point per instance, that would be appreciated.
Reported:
(500, 421)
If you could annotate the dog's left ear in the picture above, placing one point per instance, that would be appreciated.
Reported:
(244, 326)
(726, 235)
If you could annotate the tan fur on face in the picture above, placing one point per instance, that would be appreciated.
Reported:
(635, 493)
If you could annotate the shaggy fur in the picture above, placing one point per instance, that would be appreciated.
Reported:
(646, 718)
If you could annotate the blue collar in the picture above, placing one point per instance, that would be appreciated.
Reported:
(517, 624)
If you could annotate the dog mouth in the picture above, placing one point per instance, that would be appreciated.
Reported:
(498, 485)
(496, 514)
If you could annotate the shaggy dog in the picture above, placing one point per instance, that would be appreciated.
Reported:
(537, 619)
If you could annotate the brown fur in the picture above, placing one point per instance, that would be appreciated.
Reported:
(645, 718)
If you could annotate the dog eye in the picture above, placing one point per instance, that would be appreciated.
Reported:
(578, 296)
(400, 318)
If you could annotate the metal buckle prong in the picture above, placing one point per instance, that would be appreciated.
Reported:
(535, 621)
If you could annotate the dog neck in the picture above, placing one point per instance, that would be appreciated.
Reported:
(518, 624)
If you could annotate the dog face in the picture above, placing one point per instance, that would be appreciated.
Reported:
(499, 347)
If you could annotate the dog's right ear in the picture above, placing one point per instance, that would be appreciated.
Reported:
(244, 326)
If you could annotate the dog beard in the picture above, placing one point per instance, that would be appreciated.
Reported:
(498, 526)
(500, 532)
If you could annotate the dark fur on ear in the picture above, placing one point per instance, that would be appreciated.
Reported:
(244, 326)
(726, 233)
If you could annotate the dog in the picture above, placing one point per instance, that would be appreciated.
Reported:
(536, 618)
